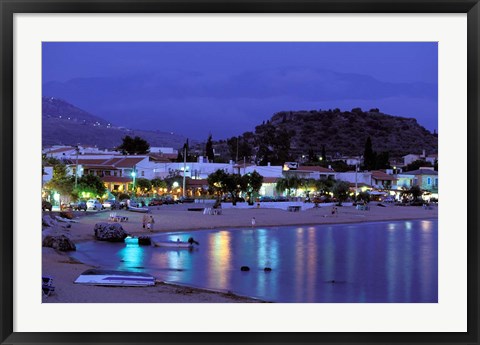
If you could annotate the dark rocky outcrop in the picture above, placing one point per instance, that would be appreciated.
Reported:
(111, 232)
(59, 242)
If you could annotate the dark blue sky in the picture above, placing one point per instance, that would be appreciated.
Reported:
(227, 88)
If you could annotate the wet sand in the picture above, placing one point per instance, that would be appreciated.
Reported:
(169, 218)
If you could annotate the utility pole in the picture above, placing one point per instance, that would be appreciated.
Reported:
(236, 159)
(76, 166)
(184, 168)
(356, 184)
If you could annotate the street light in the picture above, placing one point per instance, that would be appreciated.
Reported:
(134, 174)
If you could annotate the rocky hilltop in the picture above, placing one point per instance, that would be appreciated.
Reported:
(345, 132)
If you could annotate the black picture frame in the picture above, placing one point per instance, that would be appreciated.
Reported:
(10, 7)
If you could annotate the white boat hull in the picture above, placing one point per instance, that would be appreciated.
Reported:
(138, 209)
(115, 278)
(131, 240)
(173, 244)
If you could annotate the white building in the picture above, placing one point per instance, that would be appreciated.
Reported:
(166, 150)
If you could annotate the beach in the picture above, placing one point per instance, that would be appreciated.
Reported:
(169, 218)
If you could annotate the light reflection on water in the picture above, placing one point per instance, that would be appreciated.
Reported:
(367, 262)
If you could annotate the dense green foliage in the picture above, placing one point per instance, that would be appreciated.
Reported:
(221, 183)
(209, 149)
(134, 146)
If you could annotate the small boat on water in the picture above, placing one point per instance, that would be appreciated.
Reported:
(115, 278)
(131, 240)
(142, 240)
(176, 244)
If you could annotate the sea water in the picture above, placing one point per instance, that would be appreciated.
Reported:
(379, 262)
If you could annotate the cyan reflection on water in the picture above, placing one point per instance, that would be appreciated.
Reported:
(367, 262)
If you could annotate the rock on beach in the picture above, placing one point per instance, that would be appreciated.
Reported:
(59, 242)
(111, 232)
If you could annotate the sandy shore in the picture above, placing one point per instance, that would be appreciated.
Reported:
(176, 218)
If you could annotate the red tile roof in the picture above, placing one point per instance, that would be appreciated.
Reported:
(120, 179)
(380, 175)
(62, 149)
(315, 168)
(270, 179)
(110, 163)
(87, 161)
(200, 182)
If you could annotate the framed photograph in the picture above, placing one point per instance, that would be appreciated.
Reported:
(239, 172)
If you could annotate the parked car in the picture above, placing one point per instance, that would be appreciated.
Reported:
(155, 202)
(168, 200)
(389, 199)
(185, 200)
(46, 206)
(93, 204)
(79, 206)
(281, 198)
(266, 199)
(65, 207)
(111, 204)
(123, 203)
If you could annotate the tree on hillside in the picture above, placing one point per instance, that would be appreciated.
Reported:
(382, 161)
(185, 150)
(134, 146)
(209, 149)
(273, 144)
(369, 155)
(415, 165)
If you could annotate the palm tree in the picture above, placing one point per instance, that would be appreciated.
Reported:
(288, 183)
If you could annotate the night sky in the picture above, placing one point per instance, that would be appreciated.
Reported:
(226, 89)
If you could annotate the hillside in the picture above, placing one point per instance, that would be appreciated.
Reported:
(296, 135)
(345, 133)
(65, 124)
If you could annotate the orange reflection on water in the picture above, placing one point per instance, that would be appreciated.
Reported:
(299, 263)
(311, 263)
(220, 259)
(426, 225)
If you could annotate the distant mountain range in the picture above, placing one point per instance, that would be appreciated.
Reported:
(65, 124)
(340, 132)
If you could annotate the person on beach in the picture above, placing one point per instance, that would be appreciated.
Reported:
(145, 220)
(150, 223)
(253, 222)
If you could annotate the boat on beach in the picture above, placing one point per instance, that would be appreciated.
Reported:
(138, 209)
(115, 278)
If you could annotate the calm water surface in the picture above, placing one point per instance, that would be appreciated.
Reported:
(367, 262)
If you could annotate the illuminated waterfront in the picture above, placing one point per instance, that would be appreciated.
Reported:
(393, 261)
